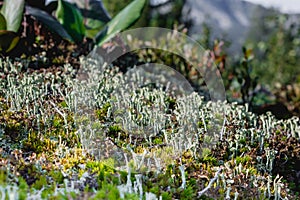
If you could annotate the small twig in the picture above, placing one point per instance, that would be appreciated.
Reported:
(210, 183)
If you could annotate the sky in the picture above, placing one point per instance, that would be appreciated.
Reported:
(285, 6)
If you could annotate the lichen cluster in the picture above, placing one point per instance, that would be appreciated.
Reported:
(99, 133)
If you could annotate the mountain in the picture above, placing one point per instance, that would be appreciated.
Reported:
(229, 19)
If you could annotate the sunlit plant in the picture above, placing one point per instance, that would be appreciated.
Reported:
(11, 15)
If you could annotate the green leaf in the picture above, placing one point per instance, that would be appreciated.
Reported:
(49, 21)
(94, 14)
(93, 27)
(12, 11)
(92, 9)
(121, 21)
(8, 40)
(71, 19)
(2, 22)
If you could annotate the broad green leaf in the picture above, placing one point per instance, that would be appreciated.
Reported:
(49, 21)
(93, 27)
(2, 22)
(12, 11)
(71, 19)
(121, 21)
(8, 40)
(94, 14)
(92, 9)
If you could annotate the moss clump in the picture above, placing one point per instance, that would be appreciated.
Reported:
(38, 143)
(108, 191)
(102, 113)
(15, 125)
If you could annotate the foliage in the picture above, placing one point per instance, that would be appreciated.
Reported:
(10, 19)
(274, 39)
(73, 21)
(243, 75)
(152, 15)
(12, 12)
(243, 79)
(278, 51)
(121, 21)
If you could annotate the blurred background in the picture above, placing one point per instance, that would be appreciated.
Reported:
(265, 33)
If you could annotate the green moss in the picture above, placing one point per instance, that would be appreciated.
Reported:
(110, 162)
(57, 176)
(66, 196)
(22, 185)
(188, 193)
(3, 177)
(102, 113)
(243, 160)
(205, 152)
(38, 144)
(171, 103)
(155, 189)
(15, 124)
(57, 121)
(292, 185)
(201, 124)
(48, 191)
(243, 141)
(114, 130)
(108, 192)
(284, 138)
(266, 144)
(40, 183)
(158, 141)
(166, 196)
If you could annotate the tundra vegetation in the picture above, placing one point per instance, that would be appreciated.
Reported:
(119, 135)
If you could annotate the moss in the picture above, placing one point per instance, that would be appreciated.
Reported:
(171, 104)
(3, 177)
(105, 174)
(38, 144)
(63, 104)
(48, 192)
(188, 193)
(284, 138)
(40, 183)
(73, 159)
(57, 176)
(110, 162)
(22, 184)
(56, 147)
(158, 141)
(65, 196)
(166, 196)
(139, 149)
(108, 191)
(243, 160)
(102, 113)
(15, 124)
(201, 124)
(114, 130)
(242, 141)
